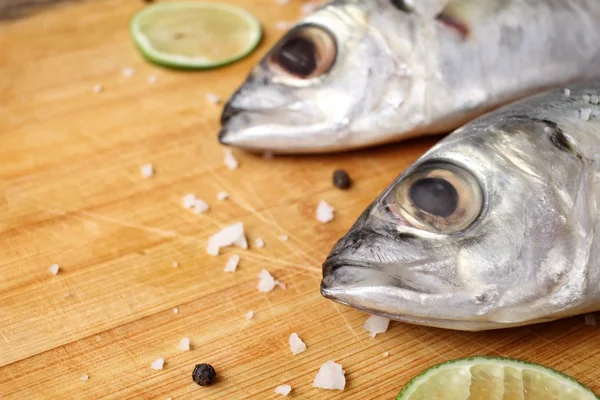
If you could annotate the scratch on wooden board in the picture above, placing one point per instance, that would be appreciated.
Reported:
(4, 337)
(120, 222)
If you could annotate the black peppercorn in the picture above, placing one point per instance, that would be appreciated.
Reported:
(204, 374)
(341, 179)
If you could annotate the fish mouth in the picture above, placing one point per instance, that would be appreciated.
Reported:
(375, 291)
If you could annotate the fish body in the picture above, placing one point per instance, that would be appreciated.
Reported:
(495, 226)
(358, 73)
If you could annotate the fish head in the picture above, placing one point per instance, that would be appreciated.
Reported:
(484, 231)
(331, 83)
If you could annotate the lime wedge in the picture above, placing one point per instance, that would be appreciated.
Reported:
(493, 378)
(194, 35)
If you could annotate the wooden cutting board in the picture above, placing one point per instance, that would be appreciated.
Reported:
(72, 194)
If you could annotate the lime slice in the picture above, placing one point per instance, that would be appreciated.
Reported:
(493, 378)
(194, 35)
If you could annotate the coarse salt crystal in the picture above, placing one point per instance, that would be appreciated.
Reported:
(282, 2)
(67, 295)
(175, 264)
(386, 353)
(200, 206)
(157, 364)
(324, 212)
(152, 79)
(84, 377)
(98, 88)
(230, 161)
(176, 310)
(249, 315)
(189, 200)
(259, 243)
(283, 238)
(232, 263)
(308, 8)
(567, 92)
(595, 99)
(213, 98)
(297, 346)
(233, 234)
(376, 324)
(147, 170)
(585, 114)
(184, 344)
(222, 195)
(54, 269)
(330, 376)
(128, 72)
(282, 25)
(283, 389)
(590, 320)
(266, 282)
(586, 98)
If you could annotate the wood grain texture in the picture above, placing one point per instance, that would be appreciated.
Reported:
(72, 194)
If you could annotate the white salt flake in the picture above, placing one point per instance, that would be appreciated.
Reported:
(54, 269)
(232, 263)
(147, 171)
(98, 88)
(259, 243)
(222, 195)
(586, 98)
(213, 98)
(84, 377)
(283, 25)
(283, 389)
(128, 72)
(230, 161)
(386, 353)
(567, 92)
(176, 310)
(67, 295)
(376, 324)
(585, 114)
(307, 8)
(297, 346)
(233, 234)
(330, 376)
(249, 315)
(200, 206)
(266, 282)
(324, 212)
(590, 320)
(189, 200)
(184, 344)
(174, 264)
(157, 364)
(282, 2)
(283, 238)
(595, 99)
(152, 79)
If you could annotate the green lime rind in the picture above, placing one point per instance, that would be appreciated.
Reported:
(145, 48)
(498, 361)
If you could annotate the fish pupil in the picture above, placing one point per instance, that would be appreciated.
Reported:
(297, 56)
(435, 196)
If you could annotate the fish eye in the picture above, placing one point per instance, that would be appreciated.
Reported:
(440, 198)
(305, 52)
